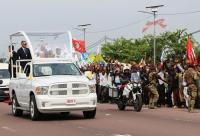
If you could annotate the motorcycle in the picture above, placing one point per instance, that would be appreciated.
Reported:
(131, 96)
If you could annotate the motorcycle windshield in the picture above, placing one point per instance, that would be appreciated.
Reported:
(135, 77)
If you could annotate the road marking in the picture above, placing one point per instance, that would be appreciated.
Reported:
(121, 135)
(81, 127)
(8, 129)
(99, 134)
(107, 114)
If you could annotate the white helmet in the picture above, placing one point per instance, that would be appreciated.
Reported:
(126, 68)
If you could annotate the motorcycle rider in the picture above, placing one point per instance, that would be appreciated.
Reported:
(135, 74)
(125, 78)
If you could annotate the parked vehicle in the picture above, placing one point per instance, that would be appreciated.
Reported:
(5, 77)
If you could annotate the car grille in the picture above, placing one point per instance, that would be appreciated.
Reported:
(59, 86)
(77, 85)
(83, 91)
(4, 89)
(58, 92)
(58, 89)
(68, 89)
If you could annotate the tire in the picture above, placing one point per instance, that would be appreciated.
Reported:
(138, 103)
(89, 114)
(34, 113)
(15, 111)
(121, 105)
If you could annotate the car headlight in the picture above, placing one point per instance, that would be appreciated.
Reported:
(42, 90)
(92, 88)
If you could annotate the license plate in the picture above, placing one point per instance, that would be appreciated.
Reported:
(71, 102)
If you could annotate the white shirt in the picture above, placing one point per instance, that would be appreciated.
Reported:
(103, 79)
(117, 79)
(161, 74)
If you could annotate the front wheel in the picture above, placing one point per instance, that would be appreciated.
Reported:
(89, 114)
(121, 105)
(138, 103)
(34, 113)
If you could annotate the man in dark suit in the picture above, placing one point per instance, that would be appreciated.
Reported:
(24, 53)
(13, 56)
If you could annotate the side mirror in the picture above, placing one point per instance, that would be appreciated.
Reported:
(21, 75)
(1, 81)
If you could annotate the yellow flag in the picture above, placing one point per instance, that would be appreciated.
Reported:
(30, 77)
(99, 58)
(91, 57)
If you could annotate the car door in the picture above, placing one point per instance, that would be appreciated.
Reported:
(27, 85)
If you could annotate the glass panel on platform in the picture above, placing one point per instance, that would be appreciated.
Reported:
(50, 45)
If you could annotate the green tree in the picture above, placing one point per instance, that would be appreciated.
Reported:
(126, 50)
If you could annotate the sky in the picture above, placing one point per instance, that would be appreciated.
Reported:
(64, 15)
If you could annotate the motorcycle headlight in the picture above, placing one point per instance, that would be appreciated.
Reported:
(135, 85)
(42, 90)
(92, 88)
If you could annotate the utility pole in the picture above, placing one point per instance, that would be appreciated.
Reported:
(84, 27)
(154, 10)
(105, 39)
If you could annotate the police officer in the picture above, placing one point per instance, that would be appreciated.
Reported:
(191, 78)
(153, 87)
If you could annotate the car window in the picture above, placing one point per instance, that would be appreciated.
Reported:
(4, 74)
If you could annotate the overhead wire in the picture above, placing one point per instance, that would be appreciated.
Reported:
(130, 24)
(120, 27)
(136, 22)
(180, 13)
(95, 43)
(99, 42)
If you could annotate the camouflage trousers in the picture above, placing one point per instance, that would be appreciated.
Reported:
(192, 92)
(198, 89)
(153, 98)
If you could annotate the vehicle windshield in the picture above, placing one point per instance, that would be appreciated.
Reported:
(4, 74)
(51, 69)
(135, 77)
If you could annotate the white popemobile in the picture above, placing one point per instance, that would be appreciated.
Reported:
(50, 81)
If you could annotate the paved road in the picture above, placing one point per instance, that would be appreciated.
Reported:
(109, 122)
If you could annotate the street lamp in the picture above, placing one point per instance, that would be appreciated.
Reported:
(154, 9)
(84, 27)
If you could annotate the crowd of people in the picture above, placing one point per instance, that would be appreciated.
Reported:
(167, 84)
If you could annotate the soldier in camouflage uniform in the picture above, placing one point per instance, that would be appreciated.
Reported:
(191, 78)
(198, 87)
(153, 88)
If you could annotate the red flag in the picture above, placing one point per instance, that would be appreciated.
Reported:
(79, 45)
(198, 59)
(189, 52)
